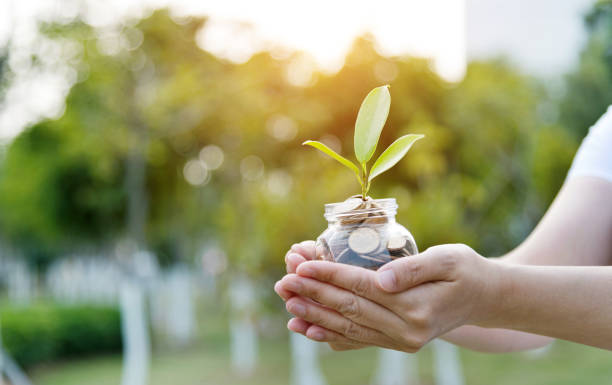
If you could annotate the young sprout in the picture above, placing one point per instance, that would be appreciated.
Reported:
(370, 121)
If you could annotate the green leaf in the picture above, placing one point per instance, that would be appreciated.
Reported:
(393, 154)
(321, 147)
(370, 121)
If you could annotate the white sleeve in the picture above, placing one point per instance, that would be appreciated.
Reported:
(594, 157)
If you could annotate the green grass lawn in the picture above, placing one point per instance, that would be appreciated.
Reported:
(207, 362)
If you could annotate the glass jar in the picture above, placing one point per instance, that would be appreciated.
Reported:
(364, 233)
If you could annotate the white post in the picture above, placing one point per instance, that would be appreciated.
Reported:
(243, 346)
(181, 316)
(243, 335)
(134, 328)
(19, 282)
(396, 368)
(304, 365)
(447, 364)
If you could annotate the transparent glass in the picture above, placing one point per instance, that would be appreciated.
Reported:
(364, 233)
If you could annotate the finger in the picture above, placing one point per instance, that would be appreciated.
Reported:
(320, 334)
(331, 320)
(435, 264)
(305, 248)
(293, 260)
(350, 305)
(352, 278)
(339, 346)
(298, 325)
(336, 341)
(281, 291)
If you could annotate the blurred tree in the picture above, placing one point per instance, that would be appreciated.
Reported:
(589, 88)
(3, 72)
(489, 165)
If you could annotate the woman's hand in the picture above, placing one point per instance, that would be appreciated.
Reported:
(297, 254)
(402, 306)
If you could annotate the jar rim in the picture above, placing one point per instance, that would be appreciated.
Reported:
(386, 207)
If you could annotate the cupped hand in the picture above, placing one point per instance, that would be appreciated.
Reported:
(402, 306)
(297, 254)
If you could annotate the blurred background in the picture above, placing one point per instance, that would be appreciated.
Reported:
(152, 177)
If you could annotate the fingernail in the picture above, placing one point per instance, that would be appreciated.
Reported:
(386, 280)
(278, 291)
(293, 326)
(319, 336)
(297, 309)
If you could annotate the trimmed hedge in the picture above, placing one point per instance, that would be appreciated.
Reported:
(43, 333)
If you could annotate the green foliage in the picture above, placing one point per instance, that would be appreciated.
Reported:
(490, 166)
(323, 148)
(45, 333)
(589, 88)
(51, 170)
(368, 127)
(370, 122)
(393, 154)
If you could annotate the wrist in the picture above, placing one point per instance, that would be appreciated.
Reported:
(498, 289)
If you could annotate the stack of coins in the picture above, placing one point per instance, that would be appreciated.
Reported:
(362, 236)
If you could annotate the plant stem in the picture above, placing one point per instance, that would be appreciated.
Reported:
(365, 186)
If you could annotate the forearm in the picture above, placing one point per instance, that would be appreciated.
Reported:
(494, 340)
(572, 303)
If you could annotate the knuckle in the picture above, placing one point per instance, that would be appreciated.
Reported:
(417, 347)
(421, 318)
(420, 341)
(413, 271)
(312, 291)
(448, 256)
(463, 249)
(445, 251)
(413, 342)
(464, 256)
(361, 286)
(316, 317)
(309, 248)
(352, 331)
(326, 273)
(349, 306)
(449, 263)
(331, 274)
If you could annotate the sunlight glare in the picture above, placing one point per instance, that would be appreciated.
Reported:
(326, 29)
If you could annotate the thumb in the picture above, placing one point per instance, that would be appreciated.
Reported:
(434, 264)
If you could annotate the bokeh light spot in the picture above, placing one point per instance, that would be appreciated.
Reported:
(195, 173)
(332, 142)
(385, 71)
(279, 183)
(300, 71)
(281, 128)
(252, 168)
(212, 156)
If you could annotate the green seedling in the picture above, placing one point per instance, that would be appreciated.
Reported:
(370, 121)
